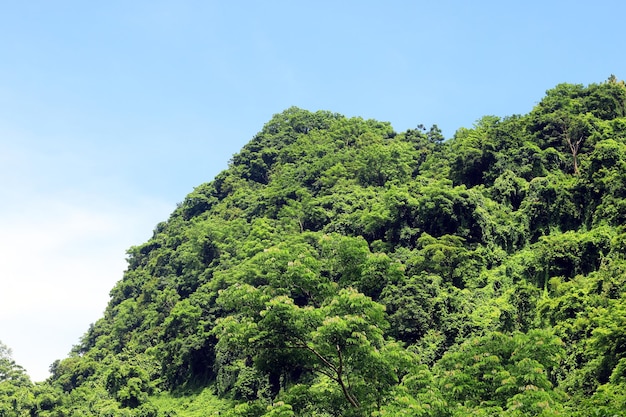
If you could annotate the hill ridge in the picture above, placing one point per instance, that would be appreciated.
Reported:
(338, 267)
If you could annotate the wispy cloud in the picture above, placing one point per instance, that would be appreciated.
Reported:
(62, 248)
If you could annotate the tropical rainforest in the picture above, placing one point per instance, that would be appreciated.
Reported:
(341, 268)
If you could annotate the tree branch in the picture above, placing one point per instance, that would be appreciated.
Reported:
(337, 371)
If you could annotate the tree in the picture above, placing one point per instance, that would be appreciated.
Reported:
(10, 371)
(342, 340)
(574, 130)
(507, 371)
(16, 395)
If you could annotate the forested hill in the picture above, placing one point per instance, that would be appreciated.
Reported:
(341, 268)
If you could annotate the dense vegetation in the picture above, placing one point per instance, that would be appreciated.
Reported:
(340, 268)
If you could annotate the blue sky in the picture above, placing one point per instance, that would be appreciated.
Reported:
(111, 112)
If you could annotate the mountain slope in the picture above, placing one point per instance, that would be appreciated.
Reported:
(338, 267)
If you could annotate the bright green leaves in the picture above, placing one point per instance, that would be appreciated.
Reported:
(550, 205)
(292, 268)
(509, 372)
(129, 384)
(603, 182)
(379, 271)
(342, 340)
(385, 162)
(608, 340)
(568, 254)
(473, 153)
(186, 350)
(9, 370)
(448, 258)
(348, 347)
(352, 318)
(509, 189)
(497, 374)
(16, 390)
(570, 117)
(418, 395)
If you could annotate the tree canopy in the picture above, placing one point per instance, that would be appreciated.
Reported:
(341, 268)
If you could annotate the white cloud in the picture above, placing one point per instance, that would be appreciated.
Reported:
(68, 213)
(60, 259)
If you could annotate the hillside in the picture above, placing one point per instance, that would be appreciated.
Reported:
(341, 268)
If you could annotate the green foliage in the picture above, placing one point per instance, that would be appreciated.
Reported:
(198, 403)
(338, 268)
(511, 373)
(16, 391)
